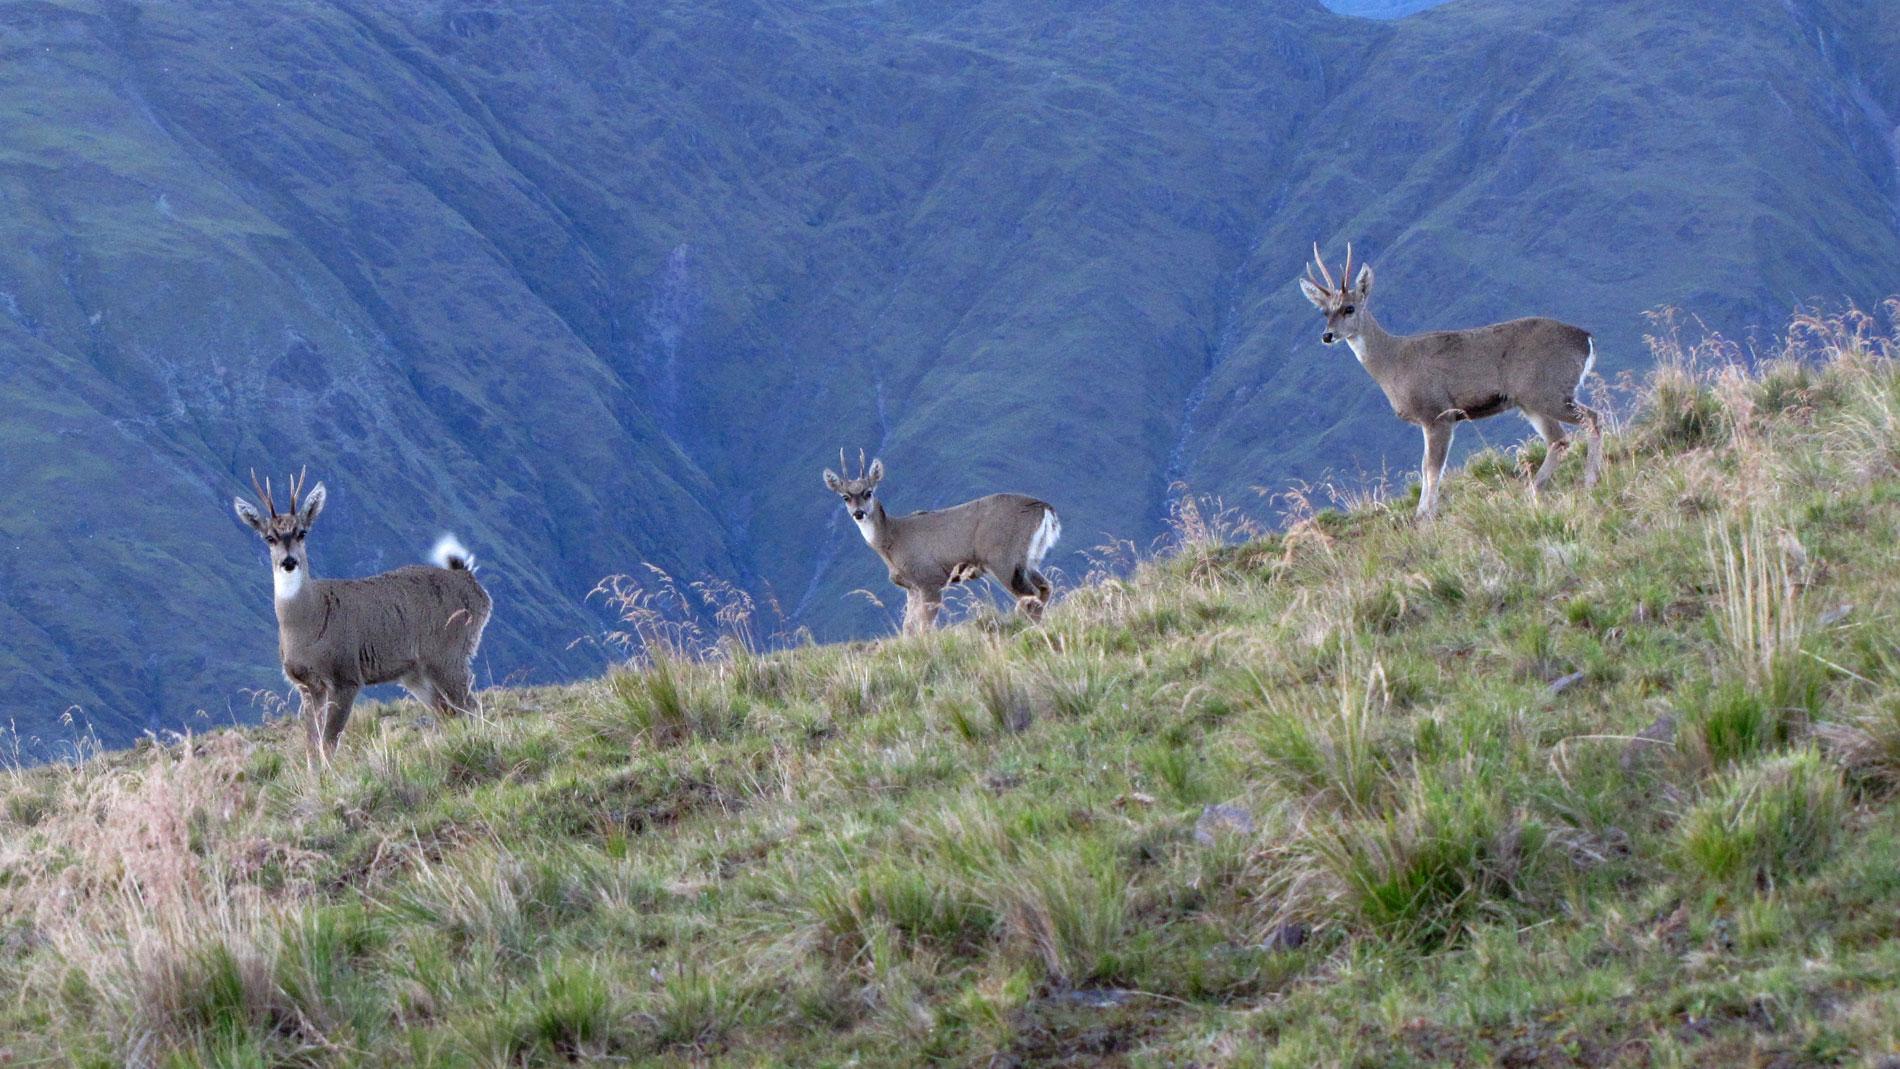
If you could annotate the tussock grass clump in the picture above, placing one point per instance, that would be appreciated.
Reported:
(569, 1016)
(666, 703)
(1866, 742)
(1731, 724)
(1766, 821)
(1604, 779)
(900, 906)
(1680, 409)
(1343, 754)
(1418, 871)
(1067, 911)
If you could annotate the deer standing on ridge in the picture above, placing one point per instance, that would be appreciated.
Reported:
(1006, 535)
(417, 625)
(1438, 379)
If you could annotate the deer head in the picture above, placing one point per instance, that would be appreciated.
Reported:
(856, 492)
(284, 532)
(1344, 305)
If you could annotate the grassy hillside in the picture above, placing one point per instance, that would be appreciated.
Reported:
(599, 282)
(1605, 780)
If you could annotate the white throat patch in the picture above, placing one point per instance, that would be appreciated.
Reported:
(286, 583)
(867, 529)
(1358, 345)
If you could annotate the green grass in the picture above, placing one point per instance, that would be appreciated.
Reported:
(992, 844)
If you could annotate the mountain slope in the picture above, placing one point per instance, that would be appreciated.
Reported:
(596, 284)
(1608, 779)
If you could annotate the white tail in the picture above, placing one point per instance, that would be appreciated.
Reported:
(1005, 535)
(1040, 543)
(1438, 379)
(449, 552)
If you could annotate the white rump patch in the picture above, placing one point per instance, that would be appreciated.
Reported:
(287, 583)
(1044, 539)
(450, 550)
(1589, 363)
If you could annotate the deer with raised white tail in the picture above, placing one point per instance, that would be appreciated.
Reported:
(418, 625)
(1439, 379)
(1005, 535)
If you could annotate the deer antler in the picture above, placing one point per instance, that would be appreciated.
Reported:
(296, 487)
(263, 493)
(1321, 261)
(1345, 275)
(861, 468)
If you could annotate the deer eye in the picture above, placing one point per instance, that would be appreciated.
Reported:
(1346, 311)
(868, 493)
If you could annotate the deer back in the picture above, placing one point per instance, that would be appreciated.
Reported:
(1534, 363)
(378, 629)
(993, 532)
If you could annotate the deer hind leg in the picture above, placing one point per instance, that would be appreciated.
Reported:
(454, 692)
(1593, 428)
(1044, 588)
(418, 685)
(1438, 436)
(1028, 592)
(1556, 444)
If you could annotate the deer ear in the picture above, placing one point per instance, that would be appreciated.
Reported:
(313, 504)
(248, 513)
(876, 474)
(1365, 281)
(832, 482)
(1314, 294)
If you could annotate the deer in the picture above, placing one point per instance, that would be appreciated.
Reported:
(418, 625)
(1004, 535)
(1440, 379)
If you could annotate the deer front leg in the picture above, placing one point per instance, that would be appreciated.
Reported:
(336, 714)
(921, 606)
(313, 704)
(1437, 447)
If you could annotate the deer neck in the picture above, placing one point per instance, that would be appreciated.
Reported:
(1373, 345)
(291, 589)
(876, 528)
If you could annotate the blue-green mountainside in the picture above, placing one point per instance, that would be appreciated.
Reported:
(593, 284)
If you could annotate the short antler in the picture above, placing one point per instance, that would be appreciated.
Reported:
(296, 486)
(1321, 261)
(1345, 275)
(263, 493)
(861, 467)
